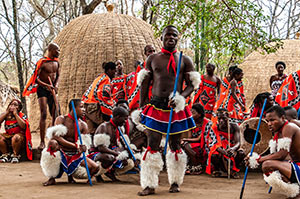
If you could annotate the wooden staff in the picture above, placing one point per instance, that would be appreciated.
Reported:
(228, 129)
(171, 112)
(54, 97)
(252, 148)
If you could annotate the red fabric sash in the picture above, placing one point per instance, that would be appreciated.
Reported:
(31, 86)
(171, 60)
(75, 126)
(117, 130)
(148, 150)
(276, 136)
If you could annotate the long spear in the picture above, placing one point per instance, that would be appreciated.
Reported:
(79, 136)
(253, 145)
(171, 112)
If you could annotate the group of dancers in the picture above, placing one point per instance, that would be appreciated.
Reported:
(119, 114)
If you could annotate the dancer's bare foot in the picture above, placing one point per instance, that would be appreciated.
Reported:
(71, 180)
(41, 146)
(112, 176)
(147, 191)
(174, 188)
(99, 178)
(51, 181)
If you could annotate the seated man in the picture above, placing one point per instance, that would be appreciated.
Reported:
(200, 140)
(224, 151)
(111, 148)
(16, 134)
(291, 115)
(282, 175)
(64, 154)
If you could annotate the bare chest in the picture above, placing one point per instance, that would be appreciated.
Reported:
(50, 67)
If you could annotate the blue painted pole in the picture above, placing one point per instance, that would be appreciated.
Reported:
(79, 136)
(171, 112)
(128, 147)
(298, 114)
(253, 145)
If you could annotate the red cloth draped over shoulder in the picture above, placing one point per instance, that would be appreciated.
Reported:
(100, 92)
(134, 91)
(222, 138)
(31, 86)
(289, 92)
(12, 127)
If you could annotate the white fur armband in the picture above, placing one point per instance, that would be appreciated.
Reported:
(101, 139)
(141, 76)
(284, 143)
(122, 156)
(253, 160)
(195, 79)
(86, 140)
(57, 130)
(272, 146)
(179, 102)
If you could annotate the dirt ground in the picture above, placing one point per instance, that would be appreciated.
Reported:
(24, 180)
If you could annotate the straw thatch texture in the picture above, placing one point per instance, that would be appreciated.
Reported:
(258, 68)
(88, 41)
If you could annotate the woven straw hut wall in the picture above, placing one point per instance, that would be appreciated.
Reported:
(258, 68)
(88, 41)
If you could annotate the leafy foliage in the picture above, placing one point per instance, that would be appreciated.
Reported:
(232, 28)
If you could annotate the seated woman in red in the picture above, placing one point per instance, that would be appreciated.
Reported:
(16, 134)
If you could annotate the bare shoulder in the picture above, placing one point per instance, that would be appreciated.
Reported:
(60, 120)
(188, 63)
(102, 128)
(235, 127)
(290, 129)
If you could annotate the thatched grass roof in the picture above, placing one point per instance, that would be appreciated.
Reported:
(258, 68)
(88, 41)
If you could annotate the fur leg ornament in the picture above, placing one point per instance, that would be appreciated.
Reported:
(275, 180)
(176, 165)
(151, 165)
(50, 164)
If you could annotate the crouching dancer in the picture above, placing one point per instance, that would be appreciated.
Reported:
(64, 154)
(161, 71)
(111, 147)
(279, 173)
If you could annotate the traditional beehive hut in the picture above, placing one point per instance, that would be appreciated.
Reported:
(88, 41)
(258, 68)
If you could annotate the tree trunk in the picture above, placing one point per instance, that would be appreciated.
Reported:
(126, 6)
(18, 54)
(145, 9)
(132, 8)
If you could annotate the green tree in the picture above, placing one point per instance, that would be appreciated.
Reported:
(227, 29)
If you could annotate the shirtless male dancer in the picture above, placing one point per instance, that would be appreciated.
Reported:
(161, 70)
(281, 167)
(111, 148)
(64, 153)
(46, 68)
